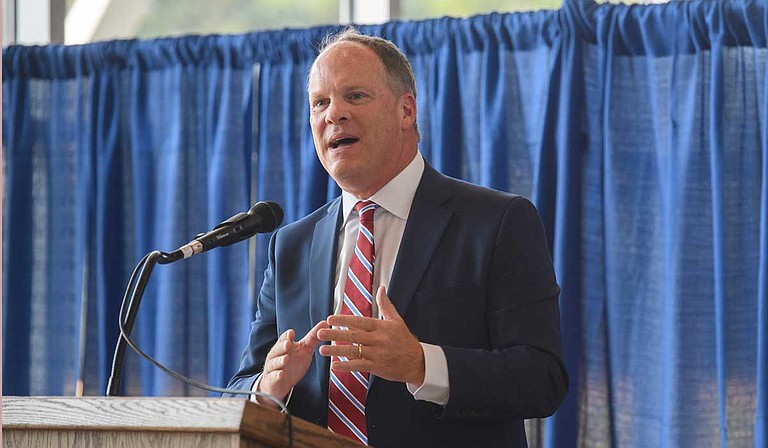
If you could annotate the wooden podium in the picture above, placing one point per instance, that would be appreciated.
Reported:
(154, 422)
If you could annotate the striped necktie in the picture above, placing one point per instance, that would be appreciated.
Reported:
(347, 391)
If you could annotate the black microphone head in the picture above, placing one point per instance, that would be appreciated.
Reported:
(271, 215)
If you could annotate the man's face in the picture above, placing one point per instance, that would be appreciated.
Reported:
(358, 123)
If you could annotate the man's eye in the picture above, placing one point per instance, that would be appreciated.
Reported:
(319, 103)
(357, 96)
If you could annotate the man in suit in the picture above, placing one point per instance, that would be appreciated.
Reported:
(425, 316)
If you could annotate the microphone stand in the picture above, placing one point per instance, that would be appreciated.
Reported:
(132, 297)
(136, 292)
(261, 218)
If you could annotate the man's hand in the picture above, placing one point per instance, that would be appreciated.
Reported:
(388, 348)
(287, 363)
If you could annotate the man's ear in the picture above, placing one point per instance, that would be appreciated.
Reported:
(408, 108)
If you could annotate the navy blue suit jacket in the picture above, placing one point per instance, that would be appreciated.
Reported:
(473, 275)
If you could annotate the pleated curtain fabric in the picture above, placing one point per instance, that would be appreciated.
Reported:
(640, 132)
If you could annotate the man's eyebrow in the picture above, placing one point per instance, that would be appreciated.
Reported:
(352, 88)
(355, 87)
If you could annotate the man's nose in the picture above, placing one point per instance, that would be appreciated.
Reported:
(337, 112)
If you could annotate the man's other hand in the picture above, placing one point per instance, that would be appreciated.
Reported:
(389, 350)
(287, 363)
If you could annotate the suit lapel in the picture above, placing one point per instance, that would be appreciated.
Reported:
(426, 222)
(322, 270)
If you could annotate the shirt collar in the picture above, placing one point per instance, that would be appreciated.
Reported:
(396, 196)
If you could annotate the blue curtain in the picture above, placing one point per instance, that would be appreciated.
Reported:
(639, 132)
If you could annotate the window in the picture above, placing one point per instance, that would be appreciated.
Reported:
(82, 21)
(419, 9)
(159, 18)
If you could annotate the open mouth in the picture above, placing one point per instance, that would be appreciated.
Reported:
(343, 142)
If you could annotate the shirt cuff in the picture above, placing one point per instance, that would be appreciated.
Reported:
(255, 388)
(436, 387)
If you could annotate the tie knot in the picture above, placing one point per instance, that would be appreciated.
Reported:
(366, 209)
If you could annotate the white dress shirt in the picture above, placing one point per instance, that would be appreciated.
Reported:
(394, 201)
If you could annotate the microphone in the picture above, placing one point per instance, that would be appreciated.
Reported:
(263, 217)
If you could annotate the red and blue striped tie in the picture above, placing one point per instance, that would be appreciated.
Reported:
(347, 391)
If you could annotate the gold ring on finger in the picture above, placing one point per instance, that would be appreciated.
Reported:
(360, 351)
